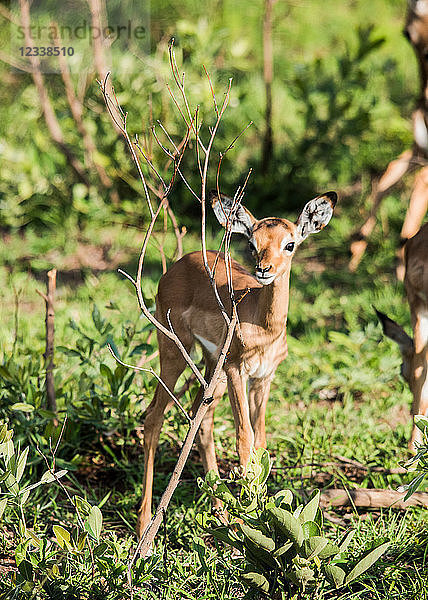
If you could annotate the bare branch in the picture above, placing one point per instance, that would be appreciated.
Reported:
(119, 117)
(48, 111)
(152, 372)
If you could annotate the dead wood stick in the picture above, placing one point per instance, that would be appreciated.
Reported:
(371, 498)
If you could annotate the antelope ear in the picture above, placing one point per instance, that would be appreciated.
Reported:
(316, 214)
(226, 209)
(394, 331)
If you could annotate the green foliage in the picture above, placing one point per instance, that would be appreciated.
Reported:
(331, 105)
(283, 550)
(76, 557)
(418, 464)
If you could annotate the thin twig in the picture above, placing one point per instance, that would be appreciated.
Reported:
(152, 372)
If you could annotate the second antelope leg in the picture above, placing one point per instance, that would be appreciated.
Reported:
(172, 365)
(415, 214)
(258, 397)
(241, 414)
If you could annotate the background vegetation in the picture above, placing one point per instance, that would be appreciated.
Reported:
(344, 84)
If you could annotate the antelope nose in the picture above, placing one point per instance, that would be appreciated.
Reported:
(262, 271)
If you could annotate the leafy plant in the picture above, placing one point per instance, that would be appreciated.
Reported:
(76, 556)
(418, 464)
(281, 549)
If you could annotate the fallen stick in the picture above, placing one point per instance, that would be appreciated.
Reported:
(371, 498)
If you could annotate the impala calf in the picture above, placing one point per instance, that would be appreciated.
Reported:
(186, 297)
(414, 351)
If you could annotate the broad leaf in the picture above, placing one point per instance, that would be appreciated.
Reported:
(310, 529)
(258, 538)
(3, 504)
(366, 562)
(22, 406)
(94, 522)
(314, 546)
(302, 576)
(283, 549)
(22, 461)
(62, 537)
(310, 510)
(330, 550)
(257, 580)
(285, 521)
(346, 540)
(421, 421)
(224, 535)
(334, 574)
(283, 497)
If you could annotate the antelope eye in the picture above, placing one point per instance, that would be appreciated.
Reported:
(289, 247)
(406, 34)
(252, 247)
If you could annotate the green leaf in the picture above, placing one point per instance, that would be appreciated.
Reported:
(283, 549)
(314, 546)
(48, 476)
(22, 461)
(100, 549)
(81, 540)
(24, 496)
(3, 504)
(311, 529)
(147, 348)
(36, 541)
(301, 576)
(346, 540)
(334, 574)
(222, 492)
(96, 318)
(22, 406)
(5, 373)
(283, 497)
(330, 550)
(310, 510)
(421, 421)
(414, 484)
(285, 521)
(259, 556)
(264, 460)
(106, 372)
(366, 562)
(223, 534)
(26, 570)
(62, 537)
(94, 522)
(257, 537)
(255, 579)
(68, 351)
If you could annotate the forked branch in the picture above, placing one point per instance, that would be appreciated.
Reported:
(162, 191)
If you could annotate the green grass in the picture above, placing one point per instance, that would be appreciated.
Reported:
(339, 393)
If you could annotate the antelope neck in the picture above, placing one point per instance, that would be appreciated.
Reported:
(273, 304)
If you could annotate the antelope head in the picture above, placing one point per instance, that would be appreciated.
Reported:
(273, 241)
